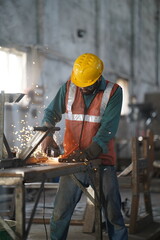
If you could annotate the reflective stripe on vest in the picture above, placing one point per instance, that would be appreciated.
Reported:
(71, 96)
(88, 118)
(80, 117)
(105, 97)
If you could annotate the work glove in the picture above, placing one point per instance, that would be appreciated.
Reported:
(76, 156)
(93, 151)
(90, 153)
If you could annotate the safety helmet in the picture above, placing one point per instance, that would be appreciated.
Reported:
(87, 69)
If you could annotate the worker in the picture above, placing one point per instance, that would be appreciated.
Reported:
(92, 107)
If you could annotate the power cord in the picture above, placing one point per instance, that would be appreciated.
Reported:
(91, 171)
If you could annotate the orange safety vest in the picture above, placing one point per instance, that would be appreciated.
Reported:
(82, 125)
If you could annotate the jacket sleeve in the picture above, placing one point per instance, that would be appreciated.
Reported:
(110, 121)
(53, 113)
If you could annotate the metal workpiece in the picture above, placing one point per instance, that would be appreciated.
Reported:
(41, 132)
(37, 138)
(6, 98)
(13, 162)
(13, 97)
(32, 145)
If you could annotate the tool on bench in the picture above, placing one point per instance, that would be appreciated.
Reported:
(69, 160)
(38, 137)
(42, 132)
(52, 151)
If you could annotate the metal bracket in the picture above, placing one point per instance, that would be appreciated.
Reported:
(82, 188)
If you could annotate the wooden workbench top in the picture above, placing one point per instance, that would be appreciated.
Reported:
(49, 169)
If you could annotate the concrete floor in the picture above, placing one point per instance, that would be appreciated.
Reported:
(75, 233)
(38, 232)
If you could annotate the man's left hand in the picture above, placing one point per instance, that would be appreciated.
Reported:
(90, 153)
(76, 156)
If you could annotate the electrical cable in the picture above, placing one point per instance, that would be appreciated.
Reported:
(90, 171)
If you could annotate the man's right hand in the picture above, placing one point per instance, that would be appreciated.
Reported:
(49, 143)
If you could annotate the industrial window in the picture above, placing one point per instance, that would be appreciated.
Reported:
(124, 84)
(13, 70)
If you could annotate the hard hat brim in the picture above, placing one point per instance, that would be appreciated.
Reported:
(82, 84)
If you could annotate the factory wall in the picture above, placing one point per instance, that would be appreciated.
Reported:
(125, 34)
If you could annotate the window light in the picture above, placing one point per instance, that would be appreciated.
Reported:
(13, 70)
(124, 84)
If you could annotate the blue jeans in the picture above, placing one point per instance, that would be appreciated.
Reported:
(69, 194)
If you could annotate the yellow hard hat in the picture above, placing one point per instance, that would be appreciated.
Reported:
(87, 69)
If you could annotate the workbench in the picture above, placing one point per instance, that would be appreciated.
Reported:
(18, 177)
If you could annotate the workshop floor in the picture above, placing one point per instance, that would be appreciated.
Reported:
(38, 231)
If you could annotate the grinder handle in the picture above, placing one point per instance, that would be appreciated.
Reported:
(44, 129)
